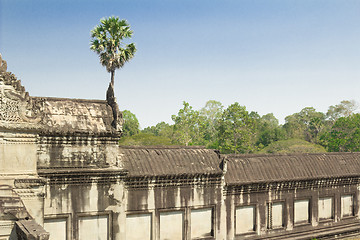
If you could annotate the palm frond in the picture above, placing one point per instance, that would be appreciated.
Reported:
(107, 41)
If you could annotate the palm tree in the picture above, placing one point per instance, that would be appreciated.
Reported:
(107, 41)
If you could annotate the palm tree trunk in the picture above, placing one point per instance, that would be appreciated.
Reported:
(110, 96)
(112, 77)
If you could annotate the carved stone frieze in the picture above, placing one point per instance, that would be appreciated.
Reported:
(29, 183)
(3, 65)
(171, 181)
(81, 176)
(55, 116)
(291, 185)
(16, 106)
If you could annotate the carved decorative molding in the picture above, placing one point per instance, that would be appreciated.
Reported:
(17, 138)
(291, 185)
(29, 183)
(16, 106)
(203, 181)
(78, 139)
(55, 116)
(80, 176)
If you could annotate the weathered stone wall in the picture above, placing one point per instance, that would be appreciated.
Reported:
(77, 151)
(17, 154)
(73, 202)
(22, 191)
(165, 203)
(73, 144)
(168, 193)
(239, 198)
(85, 191)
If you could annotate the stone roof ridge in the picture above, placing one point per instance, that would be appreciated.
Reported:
(8, 78)
(254, 155)
(17, 109)
(157, 161)
(50, 116)
(254, 168)
(163, 147)
(80, 100)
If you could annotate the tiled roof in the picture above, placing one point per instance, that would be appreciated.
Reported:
(75, 115)
(243, 169)
(161, 161)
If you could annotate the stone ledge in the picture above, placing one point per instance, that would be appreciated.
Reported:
(30, 230)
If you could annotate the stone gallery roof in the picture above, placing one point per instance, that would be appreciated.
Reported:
(170, 161)
(244, 169)
(21, 112)
(75, 115)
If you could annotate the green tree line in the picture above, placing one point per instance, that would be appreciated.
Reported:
(236, 130)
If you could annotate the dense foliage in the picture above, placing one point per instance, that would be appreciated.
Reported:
(236, 130)
(131, 124)
(344, 135)
(293, 146)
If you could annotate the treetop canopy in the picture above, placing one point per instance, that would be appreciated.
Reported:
(107, 41)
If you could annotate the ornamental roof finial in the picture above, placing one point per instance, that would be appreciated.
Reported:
(3, 65)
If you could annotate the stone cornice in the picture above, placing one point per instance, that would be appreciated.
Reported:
(80, 176)
(76, 139)
(173, 181)
(234, 189)
(17, 138)
(29, 182)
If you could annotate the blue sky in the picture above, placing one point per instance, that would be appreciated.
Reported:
(270, 56)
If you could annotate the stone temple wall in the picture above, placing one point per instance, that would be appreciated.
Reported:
(63, 176)
(21, 189)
